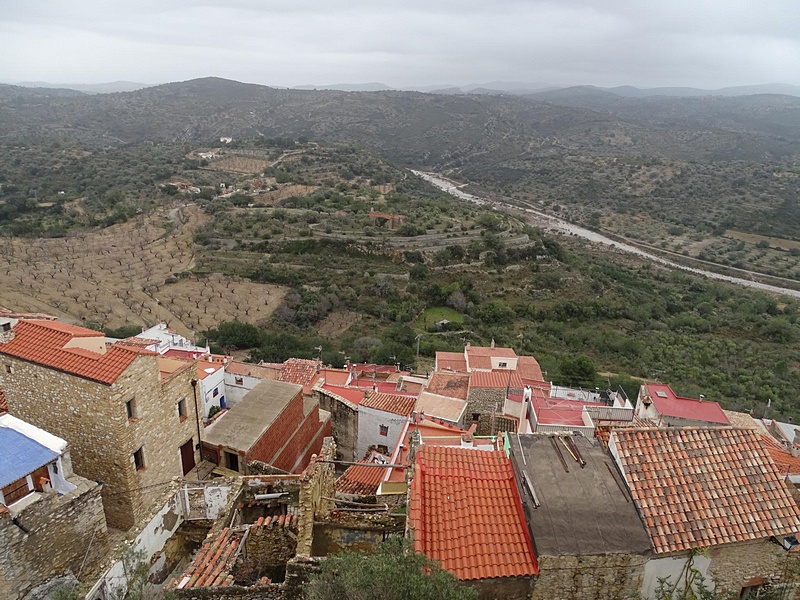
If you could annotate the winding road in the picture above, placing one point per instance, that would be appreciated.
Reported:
(557, 225)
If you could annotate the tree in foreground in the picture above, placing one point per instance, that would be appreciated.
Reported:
(394, 572)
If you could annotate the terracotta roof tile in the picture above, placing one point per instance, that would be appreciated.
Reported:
(393, 403)
(3, 402)
(787, 464)
(235, 367)
(360, 480)
(500, 379)
(452, 385)
(528, 368)
(43, 342)
(742, 420)
(451, 361)
(300, 371)
(213, 563)
(466, 513)
(699, 487)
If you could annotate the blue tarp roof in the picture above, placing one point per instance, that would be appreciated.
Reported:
(20, 455)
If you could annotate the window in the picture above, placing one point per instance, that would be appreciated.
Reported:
(138, 459)
(476, 416)
(9, 369)
(239, 381)
(384, 430)
(503, 365)
(130, 409)
(182, 410)
(216, 392)
(16, 490)
(232, 461)
(6, 326)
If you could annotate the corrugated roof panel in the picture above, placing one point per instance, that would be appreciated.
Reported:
(20, 456)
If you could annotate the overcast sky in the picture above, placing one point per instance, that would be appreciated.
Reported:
(699, 43)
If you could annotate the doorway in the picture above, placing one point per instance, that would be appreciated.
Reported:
(187, 456)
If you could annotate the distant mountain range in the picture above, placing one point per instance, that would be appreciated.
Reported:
(89, 88)
(515, 88)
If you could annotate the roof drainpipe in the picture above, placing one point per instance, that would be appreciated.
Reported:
(197, 421)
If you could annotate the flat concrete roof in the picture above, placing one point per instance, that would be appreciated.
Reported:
(246, 422)
(586, 511)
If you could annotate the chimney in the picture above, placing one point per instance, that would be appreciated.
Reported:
(702, 397)
(795, 446)
(492, 342)
(6, 331)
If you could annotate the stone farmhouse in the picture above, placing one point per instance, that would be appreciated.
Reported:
(129, 418)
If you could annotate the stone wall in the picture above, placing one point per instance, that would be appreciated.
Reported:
(489, 424)
(61, 531)
(589, 577)
(344, 423)
(358, 533)
(511, 588)
(92, 418)
(734, 565)
(266, 551)
(485, 400)
(316, 489)
(273, 591)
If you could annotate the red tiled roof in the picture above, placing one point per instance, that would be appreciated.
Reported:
(603, 432)
(335, 376)
(3, 402)
(451, 361)
(360, 480)
(352, 395)
(787, 464)
(300, 371)
(466, 513)
(138, 342)
(213, 563)
(558, 411)
(453, 385)
(12, 314)
(43, 342)
(489, 351)
(500, 379)
(528, 368)
(216, 558)
(235, 367)
(702, 486)
(669, 404)
(393, 403)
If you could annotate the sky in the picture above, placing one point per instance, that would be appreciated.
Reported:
(404, 43)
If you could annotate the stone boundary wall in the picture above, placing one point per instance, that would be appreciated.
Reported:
(62, 530)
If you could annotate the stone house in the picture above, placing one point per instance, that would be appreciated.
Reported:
(569, 486)
(129, 419)
(465, 512)
(665, 408)
(711, 500)
(50, 518)
(342, 404)
(273, 424)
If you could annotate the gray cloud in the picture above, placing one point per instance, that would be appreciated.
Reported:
(703, 43)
